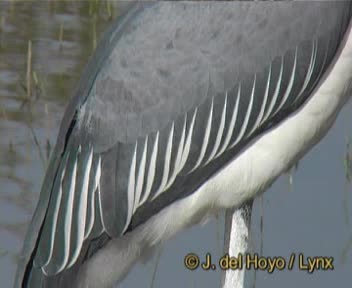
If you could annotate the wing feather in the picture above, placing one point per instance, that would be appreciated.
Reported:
(46, 243)
(276, 93)
(220, 132)
(151, 171)
(177, 161)
(264, 103)
(176, 153)
(140, 178)
(131, 188)
(246, 119)
(62, 240)
(309, 71)
(79, 217)
(73, 212)
(290, 84)
(187, 147)
(167, 163)
(93, 184)
(232, 123)
(205, 139)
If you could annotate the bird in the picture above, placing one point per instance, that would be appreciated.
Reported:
(185, 109)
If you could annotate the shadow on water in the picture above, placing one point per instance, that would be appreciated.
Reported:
(43, 49)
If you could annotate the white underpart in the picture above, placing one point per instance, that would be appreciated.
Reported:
(260, 163)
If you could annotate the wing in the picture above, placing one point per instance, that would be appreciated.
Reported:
(180, 93)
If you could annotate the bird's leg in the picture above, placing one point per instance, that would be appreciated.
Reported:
(237, 227)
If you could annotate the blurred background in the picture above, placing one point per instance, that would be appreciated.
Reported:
(44, 46)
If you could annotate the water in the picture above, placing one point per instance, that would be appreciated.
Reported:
(63, 36)
(311, 217)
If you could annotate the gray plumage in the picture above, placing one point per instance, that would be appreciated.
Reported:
(172, 94)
